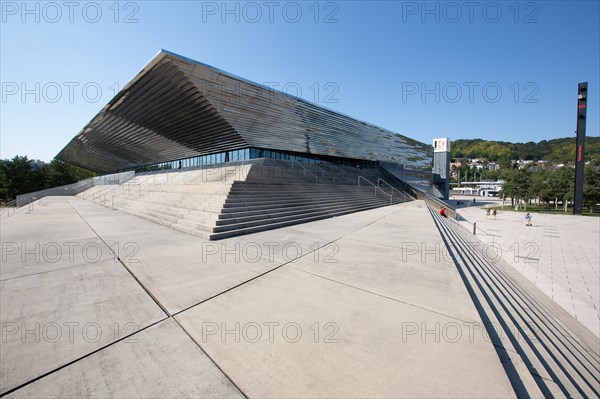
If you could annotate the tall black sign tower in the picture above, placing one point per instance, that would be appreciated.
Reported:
(580, 148)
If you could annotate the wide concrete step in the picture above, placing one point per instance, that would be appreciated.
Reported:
(306, 197)
(207, 225)
(182, 194)
(154, 219)
(266, 209)
(144, 203)
(242, 217)
(166, 217)
(150, 207)
(276, 225)
(214, 189)
(291, 185)
(195, 232)
(301, 198)
(262, 206)
(296, 191)
(241, 205)
(282, 219)
(541, 336)
(183, 225)
(253, 188)
(180, 197)
(172, 202)
(199, 216)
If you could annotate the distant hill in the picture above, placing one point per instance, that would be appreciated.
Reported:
(556, 150)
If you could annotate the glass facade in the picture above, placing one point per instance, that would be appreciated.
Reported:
(253, 153)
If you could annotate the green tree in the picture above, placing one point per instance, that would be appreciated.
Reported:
(591, 186)
(517, 183)
(18, 177)
(561, 185)
(538, 185)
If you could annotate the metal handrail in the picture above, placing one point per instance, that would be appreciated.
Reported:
(380, 180)
(335, 175)
(30, 203)
(10, 205)
(431, 204)
(305, 170)
(376, 187)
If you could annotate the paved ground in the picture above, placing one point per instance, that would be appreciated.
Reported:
(560, 254)
(363, 305)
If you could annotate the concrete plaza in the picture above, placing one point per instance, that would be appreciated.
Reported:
(560, 254)
(96, 302)
(363, 305)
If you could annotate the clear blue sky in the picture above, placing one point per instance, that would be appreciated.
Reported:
(501, 70)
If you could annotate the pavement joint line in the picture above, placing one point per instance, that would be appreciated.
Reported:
(236, 286)
(81, 357)
(239, 388)
(168, 315)
(281, 265)
(375, 243)
(50, 271)
(384, 296)
(122, 263)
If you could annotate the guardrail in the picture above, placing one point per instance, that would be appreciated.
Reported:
(74, 188)
(305, 171)
(9, 206)
(400, 193)
(376, 188)
(437, 204)
(414, 192)
(69, 189)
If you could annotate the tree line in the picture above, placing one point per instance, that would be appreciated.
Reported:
(557, 150)
(18, 176)
(548, 186)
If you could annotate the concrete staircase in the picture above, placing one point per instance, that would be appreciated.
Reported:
(251, 207)
(216, 203)
(544, 350)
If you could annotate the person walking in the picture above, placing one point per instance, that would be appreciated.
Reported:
(528, 219)
(494, 213)
(487, 214)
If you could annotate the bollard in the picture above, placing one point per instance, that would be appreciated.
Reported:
(474, 228)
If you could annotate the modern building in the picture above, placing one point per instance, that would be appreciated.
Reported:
(180, 110)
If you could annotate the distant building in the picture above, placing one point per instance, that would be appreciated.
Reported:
(493, 166)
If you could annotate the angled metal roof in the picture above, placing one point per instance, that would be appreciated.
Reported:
(178, 108)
